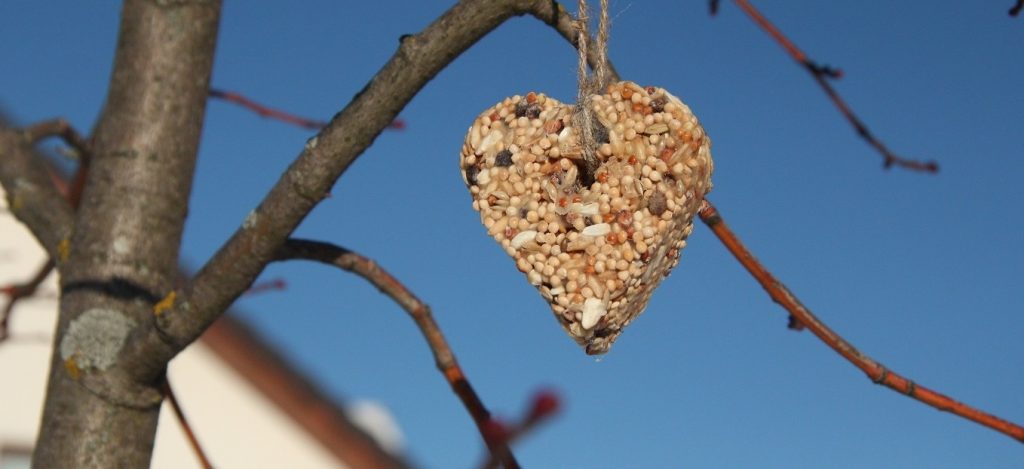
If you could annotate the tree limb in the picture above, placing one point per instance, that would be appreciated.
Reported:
(444, 358)
(878, 373)
(31, 196)
(821, 75)
(266, 111)
(102, 402)
(327, 155)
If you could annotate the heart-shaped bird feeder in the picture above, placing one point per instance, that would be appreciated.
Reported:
(594, 231)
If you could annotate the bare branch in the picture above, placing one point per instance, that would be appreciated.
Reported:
(72, 192)
(267, 111)
(444, 358)
(544, 405)
(127, 234)
(31, 195)
(878, 373)
(1016, 8)
(20, 291)
(821, 74)
(326, 156)
(180, 414)
(60, 128)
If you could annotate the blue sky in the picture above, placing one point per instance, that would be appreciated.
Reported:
(921, 272)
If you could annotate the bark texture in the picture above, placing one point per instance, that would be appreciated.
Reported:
(102, 407)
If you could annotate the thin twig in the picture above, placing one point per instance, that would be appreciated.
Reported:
(20, 291)
(366, 268)
(1017, 7)
(257, 288)
(192, 440)
(544, 405)
(821, 74)
(266, 111)
(875, 371)
(59, 128)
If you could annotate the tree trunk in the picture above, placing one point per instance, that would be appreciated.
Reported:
(102, 402)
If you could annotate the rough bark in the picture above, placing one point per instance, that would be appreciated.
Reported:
(101, 409)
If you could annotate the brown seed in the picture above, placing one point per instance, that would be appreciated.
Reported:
(645, 256)
(602, 177)
(627, 92)
(471, 173)
(657, 204)
(658, 104)
(503, 159)
(531, 97)
(553, 126)
(533, 111)
(625, 219)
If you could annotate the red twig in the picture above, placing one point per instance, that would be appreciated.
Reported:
(17, 292)
(193, 441)
(59, 128)
(444, 357)
(263, 287)
(544, 405)
(821, 75)
(1016, 8)
(272, 113)
(878, 373)
(82, 147)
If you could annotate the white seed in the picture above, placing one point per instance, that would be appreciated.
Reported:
(522, 238)
(599, 229)
(534, 277)
(593, 310)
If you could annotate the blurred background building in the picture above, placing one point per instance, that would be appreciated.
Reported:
(247, 406)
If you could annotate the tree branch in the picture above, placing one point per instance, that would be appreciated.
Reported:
(822, 74)
(193, 441)
(266, 111)
(73, 193)
(444, 358)
(1016, 8)
(31, 195)
(17, 292)
(875, 371)
(102, 404)
(327, 155)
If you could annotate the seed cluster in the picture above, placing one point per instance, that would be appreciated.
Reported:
(594, 239)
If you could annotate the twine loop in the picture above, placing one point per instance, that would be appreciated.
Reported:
(587, 85)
